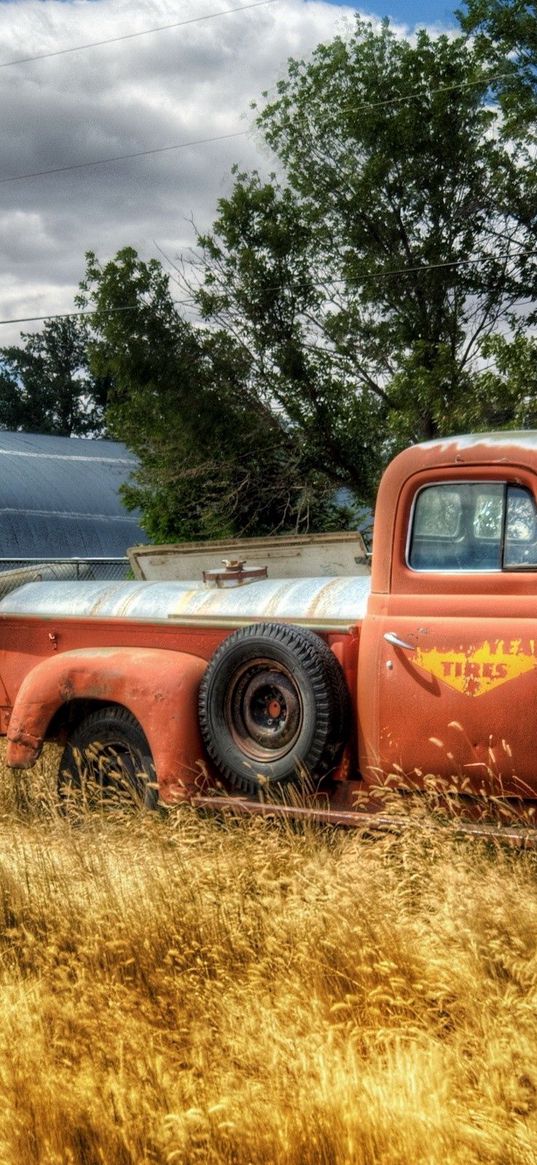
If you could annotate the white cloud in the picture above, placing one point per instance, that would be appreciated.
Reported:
(158, 90)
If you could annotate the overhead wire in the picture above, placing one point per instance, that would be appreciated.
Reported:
(64, 315)
(235, 134)
(217, 138)
(132, 35)
(275, 287)
(426, 92)
(124, 157)
(367, 275)
(113, 40)
(69, 315)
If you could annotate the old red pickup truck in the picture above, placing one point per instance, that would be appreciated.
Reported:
(423, 675)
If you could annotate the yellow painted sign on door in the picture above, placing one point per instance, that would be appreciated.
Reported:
(479, 669)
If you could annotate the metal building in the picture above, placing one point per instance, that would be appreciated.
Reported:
(59, 498)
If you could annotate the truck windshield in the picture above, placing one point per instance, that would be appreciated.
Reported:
(473, 526)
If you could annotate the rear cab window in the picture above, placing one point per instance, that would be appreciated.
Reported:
(473, 526)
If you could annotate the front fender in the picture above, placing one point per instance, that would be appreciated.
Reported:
(159, 687)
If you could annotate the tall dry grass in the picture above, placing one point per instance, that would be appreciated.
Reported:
(183, 991)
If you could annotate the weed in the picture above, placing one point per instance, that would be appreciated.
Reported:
(177, 991)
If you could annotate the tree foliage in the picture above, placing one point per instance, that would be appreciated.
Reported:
(46, 385)
(505, 33)
(377, 290)
(505, 392)
(365, 281)
(505, 37)
(215, 459)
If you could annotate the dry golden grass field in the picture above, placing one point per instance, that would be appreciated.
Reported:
(178, 990)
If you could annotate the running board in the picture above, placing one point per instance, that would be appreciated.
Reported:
(518, 836)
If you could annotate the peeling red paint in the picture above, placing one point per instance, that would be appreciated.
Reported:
(170, 724)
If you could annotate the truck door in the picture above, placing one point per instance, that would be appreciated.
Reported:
(453, 699)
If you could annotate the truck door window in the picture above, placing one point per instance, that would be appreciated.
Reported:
(520, 530)
(473, 526)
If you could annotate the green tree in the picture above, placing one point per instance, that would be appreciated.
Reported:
(505, 38)
(364, 281)
(505, 33)
(215, 459)
(505, 391)
(375, 293)
(46, 385)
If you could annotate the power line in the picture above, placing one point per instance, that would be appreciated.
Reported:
(124, 157)
(226, 137)
(426, 93)
(378, 275)
(69, 315)
(133, 35)
(66, 315)
(437, 266)
(276, 287)
(417, 93)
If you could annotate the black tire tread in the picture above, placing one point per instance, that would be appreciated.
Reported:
(114, 714)
(332, 702)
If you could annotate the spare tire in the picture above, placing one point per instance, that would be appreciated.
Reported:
(273, 706)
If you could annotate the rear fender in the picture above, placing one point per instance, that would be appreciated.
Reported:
(159, 687)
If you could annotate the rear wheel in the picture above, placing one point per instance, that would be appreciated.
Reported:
(107, 764)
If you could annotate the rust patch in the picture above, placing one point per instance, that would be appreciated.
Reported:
(67, 690)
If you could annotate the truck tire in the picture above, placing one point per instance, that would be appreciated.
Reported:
(107, 764)
(274, 706)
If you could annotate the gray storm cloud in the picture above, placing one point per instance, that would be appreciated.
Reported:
(158, 90)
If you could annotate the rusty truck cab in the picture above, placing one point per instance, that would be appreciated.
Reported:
(448, 663)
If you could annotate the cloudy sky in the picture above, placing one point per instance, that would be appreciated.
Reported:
(158, 90)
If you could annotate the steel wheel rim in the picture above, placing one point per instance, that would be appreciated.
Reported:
(263, 710)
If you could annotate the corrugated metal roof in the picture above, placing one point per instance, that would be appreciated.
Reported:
(59, 496)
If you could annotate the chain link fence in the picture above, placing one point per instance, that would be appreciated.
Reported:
(35, 569)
